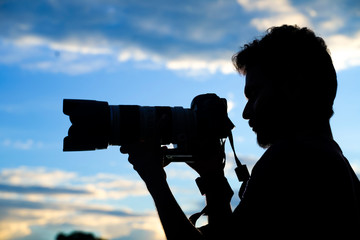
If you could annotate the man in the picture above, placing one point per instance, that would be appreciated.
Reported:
(303, 186)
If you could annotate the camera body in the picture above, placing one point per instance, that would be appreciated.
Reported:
(96, 125)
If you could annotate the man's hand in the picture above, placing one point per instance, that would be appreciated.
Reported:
(147, 159)
(209, 158)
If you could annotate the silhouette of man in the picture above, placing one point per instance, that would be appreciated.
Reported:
(302, 186)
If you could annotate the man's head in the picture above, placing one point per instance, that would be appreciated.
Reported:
(290, 83)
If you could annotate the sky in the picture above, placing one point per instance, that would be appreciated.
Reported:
(149, 53)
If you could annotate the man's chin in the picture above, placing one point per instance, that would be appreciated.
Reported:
(263, 140)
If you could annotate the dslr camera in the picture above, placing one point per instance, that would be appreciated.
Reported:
(96, 125)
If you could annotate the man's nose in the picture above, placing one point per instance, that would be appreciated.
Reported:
(247, 111)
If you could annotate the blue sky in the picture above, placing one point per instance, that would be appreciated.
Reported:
(152, 53)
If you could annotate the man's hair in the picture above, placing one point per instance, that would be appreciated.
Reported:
(297, 63)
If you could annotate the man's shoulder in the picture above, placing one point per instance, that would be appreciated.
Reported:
(300, 147)
(300, 152)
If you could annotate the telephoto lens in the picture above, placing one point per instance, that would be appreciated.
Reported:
(96, 124)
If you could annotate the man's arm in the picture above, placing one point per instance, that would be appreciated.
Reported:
(147, 162)
(218, 195)
(209, 164)
(175, 223)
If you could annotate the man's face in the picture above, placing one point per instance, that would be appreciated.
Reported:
(263, 109)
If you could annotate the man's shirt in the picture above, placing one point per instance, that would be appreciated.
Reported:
(301, 187)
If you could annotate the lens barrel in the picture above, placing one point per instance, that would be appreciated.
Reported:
(90, 124)
(96, 124)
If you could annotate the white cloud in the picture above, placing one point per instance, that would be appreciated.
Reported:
(112, 227)
(24, 222)
(22, 210)
(74, 57)
(138, 54)
(29, 40)
(345, 50)
(86, 46)
(110, 186)
(248, 160)
(287, 18)
(230, 105)
(176, 173)
(100, 186)
(331, 25)
(12, 229)
(279, 6)
(115, 34)
(78, 47)
(356, 167)
(280, 12)
(194, 65)
(132, 54)
(71, 67)
(230, 102)
(35, 176)
(158, 40)
(312, 12)
(22, 144)
(70, 56)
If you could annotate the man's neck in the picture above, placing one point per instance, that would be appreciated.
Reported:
(321, 129)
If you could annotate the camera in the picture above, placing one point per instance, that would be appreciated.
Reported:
(96, 125)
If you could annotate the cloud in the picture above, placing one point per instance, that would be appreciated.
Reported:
(230, 105)
(356, 167)
(41, 181)
(116, 32)
(23, 145)
(279, 12)
(176, 36)
(140, 234)
(319, 15)
(25, 218)
(35, 176)
(266, 5)
(136, 54)
(108, 186)
(345, 50)
(263, 24)
(14, 229)
(67, 45)
(332, 24)
(35, 199)
(248, 160)
(230, 102)
(180, 173)
(81, 208)
(322, 16)
(194, 65)
(39, 190)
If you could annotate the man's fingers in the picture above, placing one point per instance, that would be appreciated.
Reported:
(132, 148)
(142, 148)
(124, 149)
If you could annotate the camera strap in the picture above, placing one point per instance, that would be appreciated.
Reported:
(241, 170)
(242, 174)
